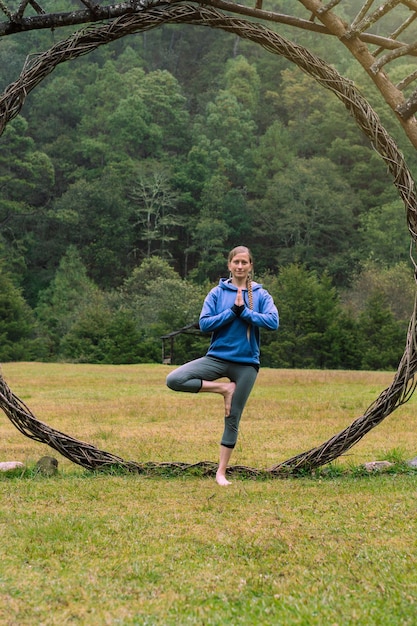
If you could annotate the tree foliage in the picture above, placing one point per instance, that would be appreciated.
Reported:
(131, 173)
(17, 323)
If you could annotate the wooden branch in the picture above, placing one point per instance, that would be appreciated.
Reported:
(58, 20)
(87, 40)
(21, 9)
(360, 16)
(409, 107)
(95, 13)
(93, 7)
(398, 31)
(411, 4)
(406, 81)
(5, 10)
(269, 16)
(361, 26)
(37, 7)
(369, 38)
(395, 54)
(330, 5)
(392, 96)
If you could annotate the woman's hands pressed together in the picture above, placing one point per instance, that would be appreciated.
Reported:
(239, 297)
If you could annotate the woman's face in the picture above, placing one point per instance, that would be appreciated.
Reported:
(240, 266)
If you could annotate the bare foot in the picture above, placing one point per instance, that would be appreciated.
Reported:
(222, 480)
(229, 390)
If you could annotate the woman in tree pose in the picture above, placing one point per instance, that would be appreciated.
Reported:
(233, 312)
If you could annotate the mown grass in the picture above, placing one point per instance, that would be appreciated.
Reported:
(336, 547)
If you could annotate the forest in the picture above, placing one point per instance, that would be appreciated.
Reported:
(132, 171)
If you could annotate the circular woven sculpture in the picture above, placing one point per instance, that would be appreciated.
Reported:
(39, 66)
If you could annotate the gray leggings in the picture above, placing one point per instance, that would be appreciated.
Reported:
(189, 378)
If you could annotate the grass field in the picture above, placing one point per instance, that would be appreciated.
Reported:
(336, 548)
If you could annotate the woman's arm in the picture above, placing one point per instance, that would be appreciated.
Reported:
(210, 319)
(267, 317)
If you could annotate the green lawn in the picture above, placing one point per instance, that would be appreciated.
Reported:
(336, 548)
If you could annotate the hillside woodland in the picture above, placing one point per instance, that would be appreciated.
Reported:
(132, 171)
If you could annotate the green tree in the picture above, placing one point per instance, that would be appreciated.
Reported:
(27, 179)
(243, 81)
(364, 171)
(306, 104)
(136, 115)
(17, 324)
(209, 242)
(95, 217)
(307, 216)
(26, 175)
(309, 308)
(130, 130)
(12, 58)
(170, 305)
(274, 154)
(157, 295)
(395, 284)
(160, 302)
(319, 125)
(103, 333)
(59, 303)
(228, 123)
(57, 103)
(384, 233)
(163, 98)
(226, 136)
(141, 280)
(383, 339)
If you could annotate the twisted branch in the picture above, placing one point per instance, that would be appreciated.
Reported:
(39, 66)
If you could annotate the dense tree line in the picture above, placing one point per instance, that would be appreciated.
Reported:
(131, 172)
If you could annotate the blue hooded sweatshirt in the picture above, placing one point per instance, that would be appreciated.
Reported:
(235, 337)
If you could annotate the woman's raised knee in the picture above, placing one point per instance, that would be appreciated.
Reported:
(172, 381)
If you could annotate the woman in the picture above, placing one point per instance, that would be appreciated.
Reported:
(233, 312)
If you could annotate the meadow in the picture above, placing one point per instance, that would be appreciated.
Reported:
(335, 547)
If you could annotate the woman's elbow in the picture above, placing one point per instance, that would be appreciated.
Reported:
(275, 323)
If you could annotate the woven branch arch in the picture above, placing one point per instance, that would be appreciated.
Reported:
(401, 389)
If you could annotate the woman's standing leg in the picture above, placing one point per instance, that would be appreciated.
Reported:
(225, 454)
(201, 376)
(244, 377)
